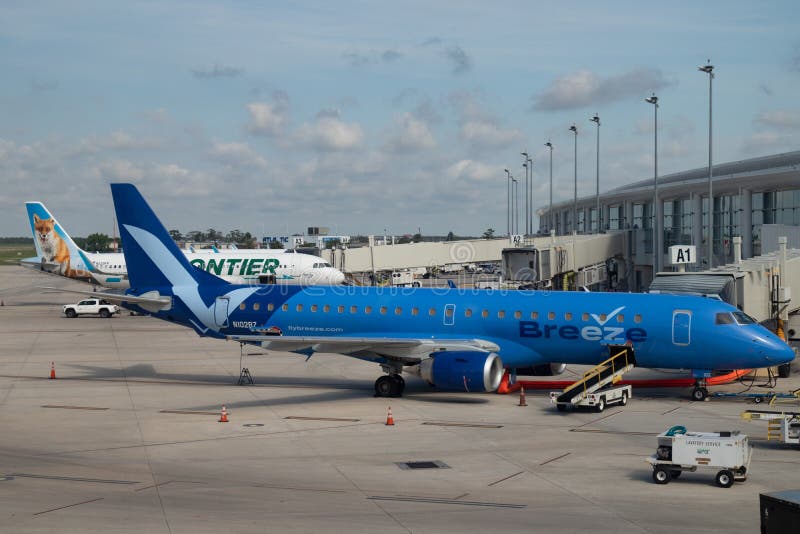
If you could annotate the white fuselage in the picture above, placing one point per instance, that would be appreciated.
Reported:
(251, 267)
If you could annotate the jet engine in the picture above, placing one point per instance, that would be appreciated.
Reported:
(545, 369)
(461, 370)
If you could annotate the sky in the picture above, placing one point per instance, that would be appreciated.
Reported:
(372, 117)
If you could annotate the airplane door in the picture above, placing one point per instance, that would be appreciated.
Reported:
(681, 327)
(449, 314)
(221, 311)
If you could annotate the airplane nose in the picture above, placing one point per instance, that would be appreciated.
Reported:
(787, 354)
(777, 352)
(337, 277)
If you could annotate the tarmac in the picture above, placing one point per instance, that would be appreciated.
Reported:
(127, 439)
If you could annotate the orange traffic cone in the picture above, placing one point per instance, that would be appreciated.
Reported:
(223, 415)
(52, 370)
(522, 401)
(389, 418)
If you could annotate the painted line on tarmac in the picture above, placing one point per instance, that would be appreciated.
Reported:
(503, 479)
(72, 479)
(600, 419)
(69, 506)
(620, 432)
(188, 412)
(464, 425)
(448, 501)
(556, 458)
(74, 407)
(154, 485)
(341, 419)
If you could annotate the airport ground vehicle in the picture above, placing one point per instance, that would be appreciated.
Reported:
(597, 399)
(91, 307)
(782, 426)
(680, 450)
(404, 279)
(598, 388)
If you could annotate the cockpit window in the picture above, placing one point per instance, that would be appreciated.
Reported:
(742, 318)
(724, 318)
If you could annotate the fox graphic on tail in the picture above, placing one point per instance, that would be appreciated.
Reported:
(54, 248)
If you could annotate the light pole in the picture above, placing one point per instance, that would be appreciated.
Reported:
(508, 202)
(515, 196)
(527, 189)
(574, 129)
(550, 225)
(709, 69)
(596, 119)
(529, 197)
(656, 250)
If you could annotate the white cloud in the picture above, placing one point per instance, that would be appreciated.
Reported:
(329, 132)
(268, 119)
(478, 127)
(584, 88)
(120, 141)
(486, 134)
(410, 134)
(119, 170)
(474, 171)
(784, 119)
(237, 155)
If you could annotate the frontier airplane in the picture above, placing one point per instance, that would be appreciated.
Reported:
(57, 253)
(453, 338)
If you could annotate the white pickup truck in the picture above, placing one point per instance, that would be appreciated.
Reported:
(91, 307)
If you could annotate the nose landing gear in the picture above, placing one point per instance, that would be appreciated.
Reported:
(699, 393)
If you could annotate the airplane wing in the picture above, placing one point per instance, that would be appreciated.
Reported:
(151, 300)
(407, 350)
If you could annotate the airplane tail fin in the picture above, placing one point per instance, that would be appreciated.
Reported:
(152, 257)
(48, 235)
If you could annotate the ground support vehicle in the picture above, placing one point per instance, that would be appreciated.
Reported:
(781, 426)
(598, 386)
(680, 450)
(91, 307)
(598, 399)
(404, 279)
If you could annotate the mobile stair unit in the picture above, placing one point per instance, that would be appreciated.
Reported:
(781, 426)
(680, 450)
(597, 388)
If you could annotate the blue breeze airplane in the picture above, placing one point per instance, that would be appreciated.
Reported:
(453, 338)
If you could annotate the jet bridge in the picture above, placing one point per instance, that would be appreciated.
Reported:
(765, 287)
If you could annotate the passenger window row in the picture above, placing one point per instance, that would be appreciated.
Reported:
(449, 312)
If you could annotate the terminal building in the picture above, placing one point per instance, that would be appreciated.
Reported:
(756, 199)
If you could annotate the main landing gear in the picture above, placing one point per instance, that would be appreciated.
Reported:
(390, 386)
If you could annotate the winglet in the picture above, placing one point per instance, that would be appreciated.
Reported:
(152, 257)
